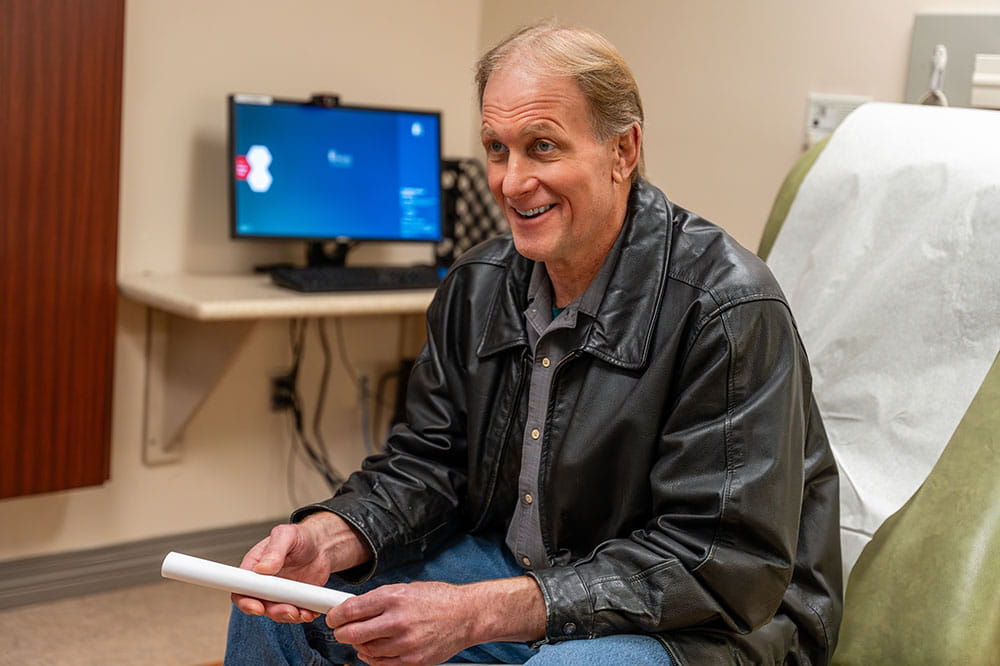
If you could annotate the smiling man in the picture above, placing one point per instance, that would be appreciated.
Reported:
(564, 191)
(611, 455)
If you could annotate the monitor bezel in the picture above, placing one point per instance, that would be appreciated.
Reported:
(332, 103)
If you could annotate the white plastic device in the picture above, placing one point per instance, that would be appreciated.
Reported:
(189, 569)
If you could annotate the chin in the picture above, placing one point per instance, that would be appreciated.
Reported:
(527, 249)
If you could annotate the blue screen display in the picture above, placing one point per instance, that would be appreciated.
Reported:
(302, 171)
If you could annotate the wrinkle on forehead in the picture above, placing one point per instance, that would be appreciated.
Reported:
(538, 100)
(528, 120)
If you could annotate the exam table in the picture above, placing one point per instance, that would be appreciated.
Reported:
(925, 589)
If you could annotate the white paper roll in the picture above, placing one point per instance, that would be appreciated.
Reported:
(188, 569)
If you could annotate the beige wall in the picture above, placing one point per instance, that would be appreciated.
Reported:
(181, 59)
(724, 84)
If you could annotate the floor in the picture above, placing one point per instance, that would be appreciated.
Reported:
(162, 624)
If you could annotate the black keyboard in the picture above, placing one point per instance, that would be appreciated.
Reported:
(356, 278)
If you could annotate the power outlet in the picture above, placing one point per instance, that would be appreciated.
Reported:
(825, 112)
(282, 393)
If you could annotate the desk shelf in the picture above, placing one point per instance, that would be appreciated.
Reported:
(252, 297)
(195, 324)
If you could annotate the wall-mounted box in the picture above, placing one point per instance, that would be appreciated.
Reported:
(986, 81)
(964, 36)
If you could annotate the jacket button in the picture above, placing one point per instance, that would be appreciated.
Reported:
(526, 561)
(546, 362)
(569, 628)
(528, 499)
(535, 433)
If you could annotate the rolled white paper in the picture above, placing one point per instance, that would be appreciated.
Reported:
(188, 569)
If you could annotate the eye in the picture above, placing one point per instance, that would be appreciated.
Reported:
(543, 146)
(494, 147)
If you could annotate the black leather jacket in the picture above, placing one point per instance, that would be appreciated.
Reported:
(687, 486)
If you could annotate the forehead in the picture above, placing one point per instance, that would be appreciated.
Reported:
(516, 97)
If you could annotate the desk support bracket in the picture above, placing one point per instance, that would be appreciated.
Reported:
(184, 361)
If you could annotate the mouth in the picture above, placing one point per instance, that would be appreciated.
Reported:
(533, 212)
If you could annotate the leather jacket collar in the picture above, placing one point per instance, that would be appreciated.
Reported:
(622, 332)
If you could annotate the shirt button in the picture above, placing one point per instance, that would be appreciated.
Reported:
(535, 433)
(528, 499)
(569, 628)
(546, 362)
(526, 561)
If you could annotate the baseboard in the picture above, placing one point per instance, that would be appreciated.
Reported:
(50, 577)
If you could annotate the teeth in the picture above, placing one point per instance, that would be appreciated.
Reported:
(534, 211)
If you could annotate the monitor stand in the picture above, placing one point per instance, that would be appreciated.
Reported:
(318, 254)
(321, 254)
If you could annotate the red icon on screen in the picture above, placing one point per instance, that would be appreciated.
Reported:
(242, 167)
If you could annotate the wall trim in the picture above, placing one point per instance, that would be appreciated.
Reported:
(51, 577)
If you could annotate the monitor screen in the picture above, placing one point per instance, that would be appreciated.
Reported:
(322, 173)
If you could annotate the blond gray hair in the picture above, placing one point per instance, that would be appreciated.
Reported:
(584, 56)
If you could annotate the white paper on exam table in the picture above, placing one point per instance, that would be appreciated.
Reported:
(189, 569)
(888, 259)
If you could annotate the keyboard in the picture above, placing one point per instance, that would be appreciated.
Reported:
(356, 278)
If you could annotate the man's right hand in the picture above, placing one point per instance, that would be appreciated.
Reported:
(308, 551)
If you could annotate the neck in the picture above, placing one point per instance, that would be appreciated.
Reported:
(569, 282)
(571, 277)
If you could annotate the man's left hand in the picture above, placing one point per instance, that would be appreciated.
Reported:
(422, 623)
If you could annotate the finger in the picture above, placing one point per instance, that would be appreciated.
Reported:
(275, 549)
(356, 609)
(247, 605)
(368, 605)
(281, 612)
(372, 660)
(368, 631)
(276, 611)
(253, 555)
(382, 648)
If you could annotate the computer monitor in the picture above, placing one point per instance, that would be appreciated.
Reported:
(317, 171)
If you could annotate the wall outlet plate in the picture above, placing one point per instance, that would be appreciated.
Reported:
(825, 112)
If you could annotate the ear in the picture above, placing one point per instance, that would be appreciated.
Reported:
(626, 153)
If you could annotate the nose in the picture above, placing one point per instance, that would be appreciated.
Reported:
(518, 177)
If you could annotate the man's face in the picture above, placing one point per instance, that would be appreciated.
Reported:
(560, 189)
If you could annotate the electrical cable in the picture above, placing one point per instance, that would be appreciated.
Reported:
(317, 457)
(321, 394)
(366, 427)
(290, 465)
(342, 349)
(315, 452)
(380, 398)
(360, 385)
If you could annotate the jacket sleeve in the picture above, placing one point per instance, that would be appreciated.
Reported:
(406, 500)
(719, 548)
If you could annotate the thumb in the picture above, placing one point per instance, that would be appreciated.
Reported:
(272, 557)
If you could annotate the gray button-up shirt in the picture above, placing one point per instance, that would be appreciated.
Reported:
(552, 340)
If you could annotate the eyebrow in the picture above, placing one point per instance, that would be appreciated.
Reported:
(540, 127)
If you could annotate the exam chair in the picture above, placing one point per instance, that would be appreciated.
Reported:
(926, 588)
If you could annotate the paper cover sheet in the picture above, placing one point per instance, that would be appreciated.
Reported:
(889, 259)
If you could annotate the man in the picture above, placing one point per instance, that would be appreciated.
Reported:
(611, 433)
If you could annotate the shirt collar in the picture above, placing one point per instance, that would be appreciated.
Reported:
(539, 310)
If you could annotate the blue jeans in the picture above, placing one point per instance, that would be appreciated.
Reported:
(259, 641)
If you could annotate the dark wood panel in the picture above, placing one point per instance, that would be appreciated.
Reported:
(60, 126)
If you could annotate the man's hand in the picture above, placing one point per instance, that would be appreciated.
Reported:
(308, 551)
(426, 623)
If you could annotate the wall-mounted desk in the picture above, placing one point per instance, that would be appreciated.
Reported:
(196, 323)
(252, 297)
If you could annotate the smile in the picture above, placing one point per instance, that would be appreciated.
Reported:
(533, 212)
